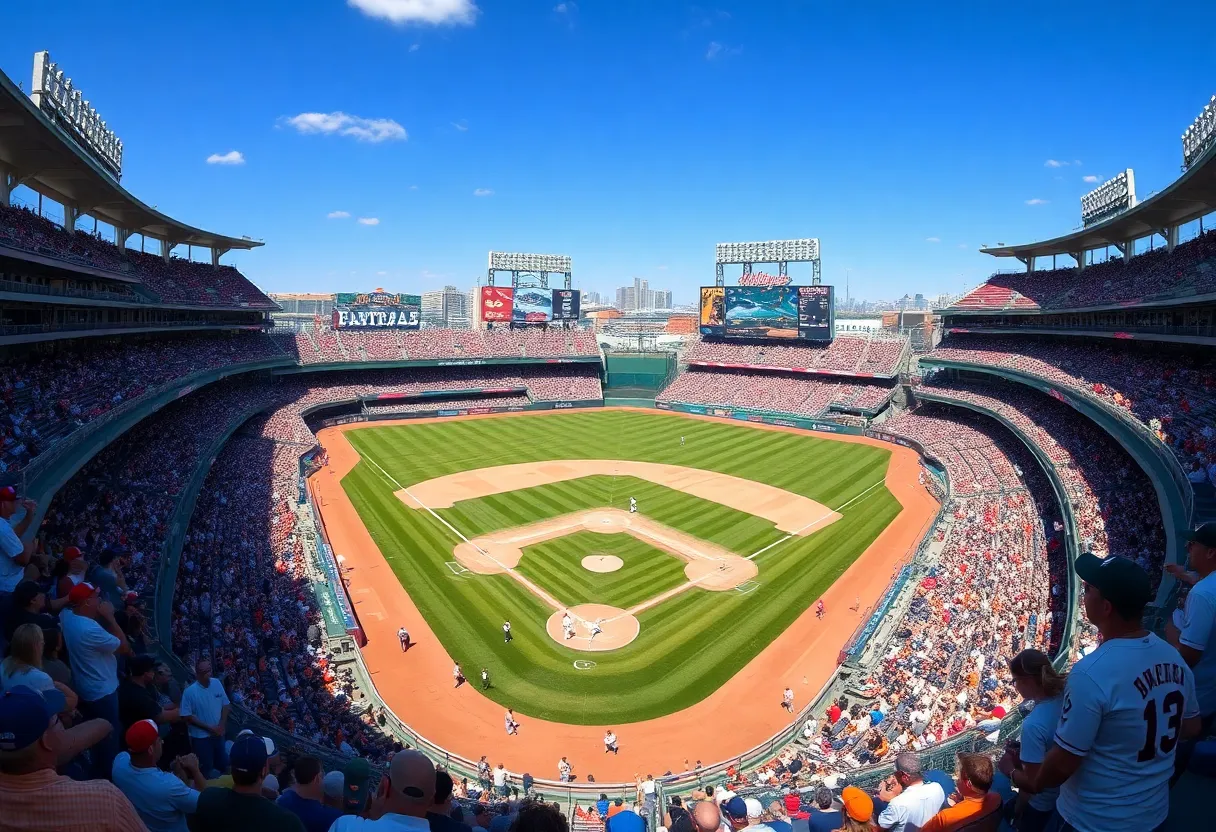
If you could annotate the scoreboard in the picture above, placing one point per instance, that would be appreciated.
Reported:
(803, 313)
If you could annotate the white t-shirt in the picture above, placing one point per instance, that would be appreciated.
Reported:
(912, 808)
(204, 703)
(403, 823)
(647, 787)
(91, 649)
(1122, 712)
(1198, 627)
(500, 777)
(29, 677)
(160, 798)
(1038, 736)
(11, 547)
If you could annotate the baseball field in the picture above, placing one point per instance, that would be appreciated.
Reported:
(738, 532)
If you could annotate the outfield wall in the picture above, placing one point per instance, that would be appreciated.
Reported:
(766, 417)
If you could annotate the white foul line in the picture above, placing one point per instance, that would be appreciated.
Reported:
(753, 555)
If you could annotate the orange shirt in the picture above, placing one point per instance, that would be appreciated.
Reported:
(44, 800)
(968, 810)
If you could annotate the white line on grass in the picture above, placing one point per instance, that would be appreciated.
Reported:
(753, 555)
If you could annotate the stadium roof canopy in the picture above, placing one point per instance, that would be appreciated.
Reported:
(45, 160)
(1187, 198)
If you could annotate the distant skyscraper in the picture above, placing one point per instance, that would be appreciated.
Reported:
(445, 308)
(640, 296)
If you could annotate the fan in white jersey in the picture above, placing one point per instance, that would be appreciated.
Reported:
(1126, 706)
(1193, 630)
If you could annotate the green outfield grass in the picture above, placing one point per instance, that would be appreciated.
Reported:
(556, 566)
(690, 644)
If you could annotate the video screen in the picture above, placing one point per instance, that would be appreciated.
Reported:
(761, 312)
(712, 310)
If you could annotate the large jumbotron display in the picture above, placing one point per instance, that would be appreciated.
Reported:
(783, 312)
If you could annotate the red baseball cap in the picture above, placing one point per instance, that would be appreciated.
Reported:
(8, 494)
(142, 735)
(83, 591)
(71, 553)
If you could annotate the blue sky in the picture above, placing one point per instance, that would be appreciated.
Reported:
(631, 135)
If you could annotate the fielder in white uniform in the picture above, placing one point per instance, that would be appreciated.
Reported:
(633, 505)
(568, 626)
(1125, 709)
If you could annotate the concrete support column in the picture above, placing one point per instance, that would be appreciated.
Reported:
(8, 181)
(217, 253)
(71, 213)
(1171, 237)
(1028, 262)
(1127, 248)
(165, 248)
(1079, 256)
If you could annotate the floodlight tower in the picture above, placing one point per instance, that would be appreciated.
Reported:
(539, 265)
(781, 252)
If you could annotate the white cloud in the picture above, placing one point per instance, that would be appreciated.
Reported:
(1054, 163)
(413, 187)
(962, 245)
(232, 157)
(1036, 201)
(1091, 179)
(483, 192)
(435, 12)
(342, 124)
(462, 125)
(414, 47)
(369, 220)
(381, 274)
(933, 239)
(338, 215)
(715, 49)
(562, 8)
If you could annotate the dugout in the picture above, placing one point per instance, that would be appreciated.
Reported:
(637, 375)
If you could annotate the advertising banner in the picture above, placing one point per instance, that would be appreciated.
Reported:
(376, 310)
(815, 313)
(533, 305)
(496, 303)
(761, 312)
(566, 304)
(712, 310)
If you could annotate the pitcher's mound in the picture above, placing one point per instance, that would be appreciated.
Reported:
(616, 627)
(602, 563)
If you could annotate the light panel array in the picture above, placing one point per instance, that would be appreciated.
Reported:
(512, 261)
(53, 93)
(1111, 197)
(772, 251)
(1198, 137)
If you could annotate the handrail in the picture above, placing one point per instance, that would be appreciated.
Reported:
(19, 287)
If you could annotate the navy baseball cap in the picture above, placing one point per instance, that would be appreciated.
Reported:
(1204, 535)
(1121, 581)
(736, 807)
(248, 754)
(25, 715)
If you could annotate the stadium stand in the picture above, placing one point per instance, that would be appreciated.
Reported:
(796, 395)
(880, 354)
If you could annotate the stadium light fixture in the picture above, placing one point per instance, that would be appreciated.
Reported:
(772, 251)
(538, 263)
(1197, 138)
(1111, 197)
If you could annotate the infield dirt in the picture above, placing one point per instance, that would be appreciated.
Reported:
(743, 713)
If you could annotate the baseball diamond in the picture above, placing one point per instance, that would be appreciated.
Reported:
(687, 638)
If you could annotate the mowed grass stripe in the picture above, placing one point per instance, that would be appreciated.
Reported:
(556, 565)
(691, 643)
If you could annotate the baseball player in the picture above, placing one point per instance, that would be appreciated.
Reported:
(506, 632)
(595, 629)
(787, 699)
(681, 441)
(509, 722)
(485, 679)
(610, 742)
(568, 626)
(564, 770)
(403, 636)
(458, 675)
(1126, 707)
(819, 609)
(633, 506)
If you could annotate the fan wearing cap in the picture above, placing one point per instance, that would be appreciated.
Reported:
(1126, 706)
(858, 810)
(68, 571)
(162, 800)
(244, 808)
(1193, 629)
(29, 603)
(33, 796)
(405, 795)
(14, 553)
(94, 640)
